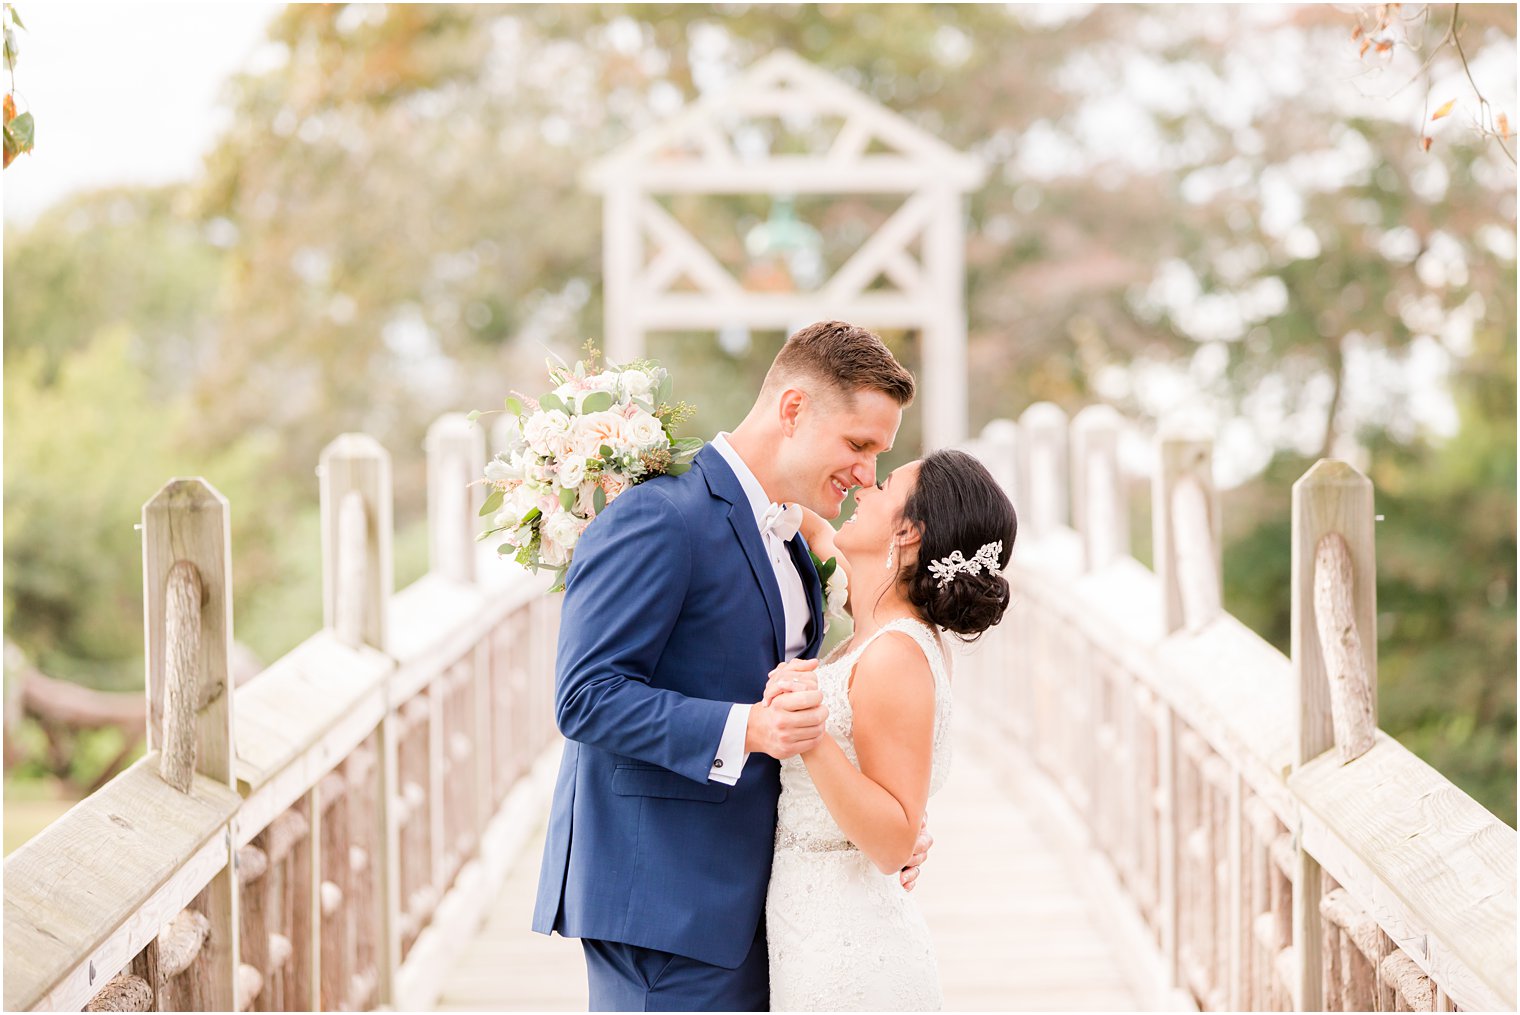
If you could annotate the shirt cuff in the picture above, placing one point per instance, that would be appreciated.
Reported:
(731, 754)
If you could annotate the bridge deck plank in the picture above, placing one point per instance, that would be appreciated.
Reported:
(1010, 922)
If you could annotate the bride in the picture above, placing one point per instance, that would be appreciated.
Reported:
(923, 552)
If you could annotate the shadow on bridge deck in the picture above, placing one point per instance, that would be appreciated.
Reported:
(1011, 923)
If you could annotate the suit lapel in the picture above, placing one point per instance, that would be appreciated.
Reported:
(724, 485)
(742, 518)
(802, 557)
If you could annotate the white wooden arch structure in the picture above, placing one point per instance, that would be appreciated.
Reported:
(909, 274)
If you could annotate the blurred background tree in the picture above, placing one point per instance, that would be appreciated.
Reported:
(1188, 209)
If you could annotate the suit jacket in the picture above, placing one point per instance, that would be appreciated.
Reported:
(671, 614)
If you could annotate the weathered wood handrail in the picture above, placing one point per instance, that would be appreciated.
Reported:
(1277, 851)
(264, 867)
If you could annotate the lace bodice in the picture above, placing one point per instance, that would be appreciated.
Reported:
(842, 936)
(801, 814)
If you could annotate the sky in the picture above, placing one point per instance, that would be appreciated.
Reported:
(109, 110)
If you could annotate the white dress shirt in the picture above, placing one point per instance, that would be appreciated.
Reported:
(794, 604)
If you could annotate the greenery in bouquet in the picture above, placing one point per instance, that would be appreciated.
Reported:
(569, 453)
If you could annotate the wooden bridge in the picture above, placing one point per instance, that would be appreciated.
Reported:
(1151, 806)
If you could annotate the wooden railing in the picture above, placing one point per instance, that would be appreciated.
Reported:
(324, 836)
(1276, 850)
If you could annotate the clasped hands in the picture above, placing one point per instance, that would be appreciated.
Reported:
(789, 717)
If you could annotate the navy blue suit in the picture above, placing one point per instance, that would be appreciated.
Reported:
(671, 614)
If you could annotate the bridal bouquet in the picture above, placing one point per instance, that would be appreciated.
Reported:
(570, 452)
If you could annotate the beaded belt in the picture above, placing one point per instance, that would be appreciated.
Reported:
(804, 844)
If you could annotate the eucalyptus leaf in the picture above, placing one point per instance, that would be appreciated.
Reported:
(605, 451)
(566, 498)
(505, 548)
(598, 500)
(514, 405)
(473, 415)
(493, 502)
(662, 393)
(678, 468)
(597, 401)
(552, 401)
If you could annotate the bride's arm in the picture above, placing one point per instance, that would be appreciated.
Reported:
(879, 806)
(820, 539)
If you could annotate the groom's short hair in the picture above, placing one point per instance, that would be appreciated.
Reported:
(841, 358)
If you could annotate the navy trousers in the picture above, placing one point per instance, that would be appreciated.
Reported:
(625, 977)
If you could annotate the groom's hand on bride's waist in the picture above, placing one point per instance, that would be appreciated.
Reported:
(789, 719)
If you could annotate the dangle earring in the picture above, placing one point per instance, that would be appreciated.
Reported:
(891, 555)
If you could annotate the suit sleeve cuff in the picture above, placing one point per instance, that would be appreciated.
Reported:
(731, 754)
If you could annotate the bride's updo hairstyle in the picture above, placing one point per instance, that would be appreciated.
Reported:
(957, 505)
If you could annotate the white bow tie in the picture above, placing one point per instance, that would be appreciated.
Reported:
(782, 520)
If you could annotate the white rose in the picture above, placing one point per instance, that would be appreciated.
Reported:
(524, 499)
(644, 432)
(563, 528)
(606, 381)
(545, 431)
(551, 554)
(637, 384)
(571, 471)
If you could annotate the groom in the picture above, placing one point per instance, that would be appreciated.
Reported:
(683, 596)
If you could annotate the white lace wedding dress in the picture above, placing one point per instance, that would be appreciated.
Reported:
(843, 936)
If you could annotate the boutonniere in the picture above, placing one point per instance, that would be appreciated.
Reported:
(836, 587)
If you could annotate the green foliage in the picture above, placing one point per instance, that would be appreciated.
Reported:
(83, 453)
(124, 256)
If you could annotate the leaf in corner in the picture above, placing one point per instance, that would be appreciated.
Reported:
(23, 128)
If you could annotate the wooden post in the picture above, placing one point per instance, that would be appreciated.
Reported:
(622, 261)
(1099, 501)
(1043, 473)
(456, 456)
(356, 462)
(1331, 498)
(944, 332)
(187, 536)
(1186, 549)
(1000, 445)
